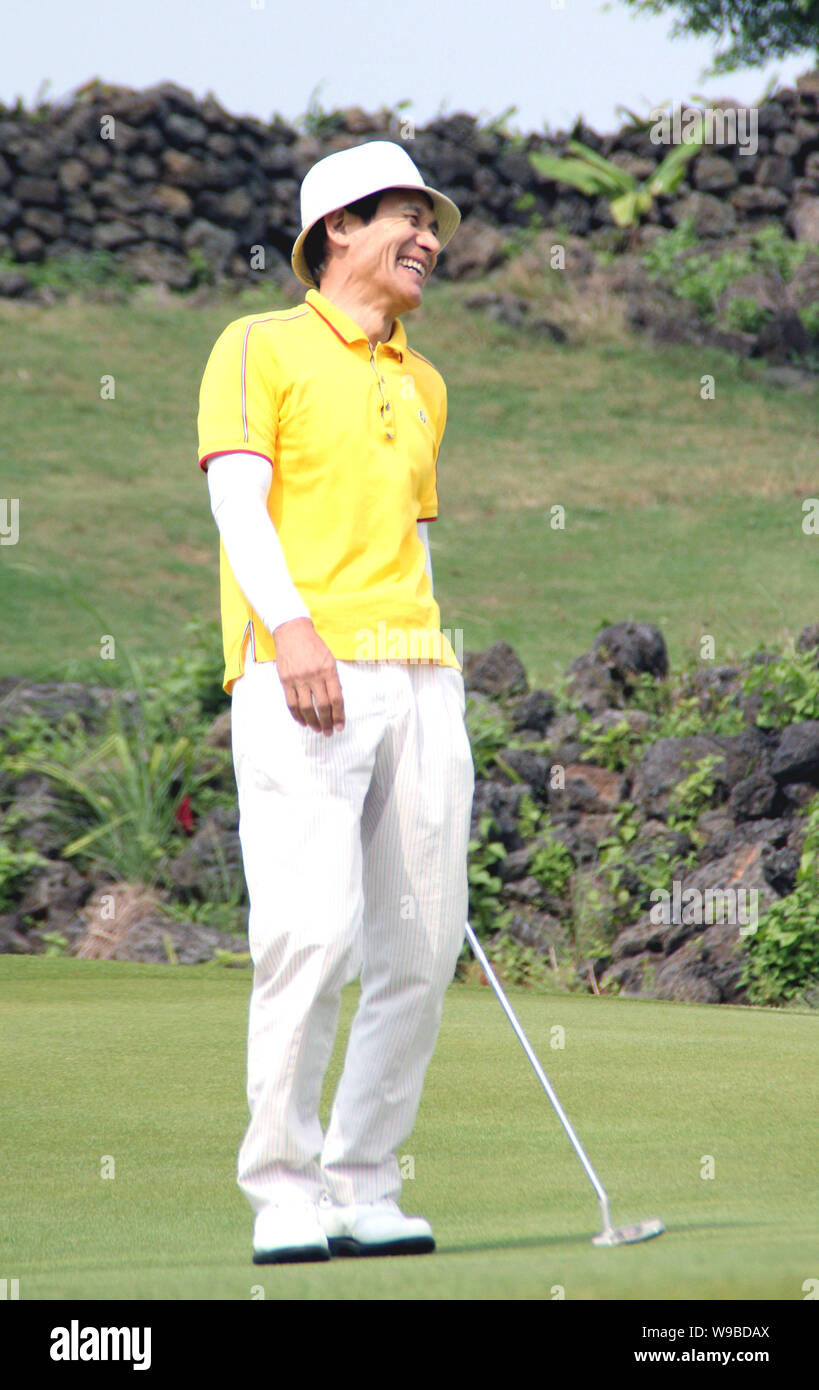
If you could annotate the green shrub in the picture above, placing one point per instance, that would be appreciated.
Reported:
(489, 732)
(782, 959)
(783, 953)
(74, 273)
(776, 251)
(32, 736)
(552, 864)
(787, 687)
(16, 866)
(518, 240)
(56, 944)
(702, 277)
(614, 747)
(661, 255)
(746, 316)
(614, 858)
(128, 783)
(677, 714)
(485, 913)
(200, 268)
(693, 795)
(630, 883)
(810, 321)
(520, 965)
(189, 686)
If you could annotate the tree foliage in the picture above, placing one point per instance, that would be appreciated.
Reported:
(749, 33)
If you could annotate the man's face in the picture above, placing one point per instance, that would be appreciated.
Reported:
(377, 252)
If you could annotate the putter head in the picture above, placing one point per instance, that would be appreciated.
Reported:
(627, 1235)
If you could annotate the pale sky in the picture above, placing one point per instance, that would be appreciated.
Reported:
(552, 59)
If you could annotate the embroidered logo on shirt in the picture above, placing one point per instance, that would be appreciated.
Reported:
(422, 416)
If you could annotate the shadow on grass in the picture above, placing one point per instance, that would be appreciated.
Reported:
(549, 1242)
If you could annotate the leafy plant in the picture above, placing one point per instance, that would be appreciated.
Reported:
(32, 736)
(200, 267)
(782, 958)
(189, 686)
(485, 913)
(783, 953)
(16, 866)
(130, 783)
(591, 924)
(489, 732)
(788, 688)
(234, 959)
(225, 910)
(517, 964)
(613, 747)
(552, 864)
(810, 321)
(614, 858)
(629, 198)
(676, 714)
(317, 121)
(703, 277)
(662, 255)
(690, 797)
(56, 944)
(498, 125)
(695, 274)
(127, 791)
(530, 816)
(746, 316)
(519, 239)
(74, 273)
(773, 250)
(635, 120)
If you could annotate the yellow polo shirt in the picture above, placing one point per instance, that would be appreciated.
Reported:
(353, 439)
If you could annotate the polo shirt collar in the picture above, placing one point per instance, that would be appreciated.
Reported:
(348, 330)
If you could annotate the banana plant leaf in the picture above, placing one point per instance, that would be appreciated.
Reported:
(621, 179)
(576, 173)
(668, 174)
(629, 208)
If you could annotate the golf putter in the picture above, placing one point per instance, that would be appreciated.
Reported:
(610, 1235)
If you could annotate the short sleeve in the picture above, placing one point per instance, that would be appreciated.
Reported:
(429, 504)
(238, 399)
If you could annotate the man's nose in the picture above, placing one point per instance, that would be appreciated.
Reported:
(427, 238)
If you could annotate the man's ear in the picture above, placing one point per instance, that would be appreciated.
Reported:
(338, 225)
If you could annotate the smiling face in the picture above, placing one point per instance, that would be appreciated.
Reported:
(390, 258)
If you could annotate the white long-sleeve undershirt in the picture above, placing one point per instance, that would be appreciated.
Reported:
(239, 485)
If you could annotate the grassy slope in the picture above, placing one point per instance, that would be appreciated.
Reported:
(146, 1064)
(679, 511)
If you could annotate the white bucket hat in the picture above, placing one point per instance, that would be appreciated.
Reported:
(348, 175)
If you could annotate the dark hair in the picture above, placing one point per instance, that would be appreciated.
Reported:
(315, 243)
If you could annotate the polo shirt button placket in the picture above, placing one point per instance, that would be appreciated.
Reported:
(386, 408)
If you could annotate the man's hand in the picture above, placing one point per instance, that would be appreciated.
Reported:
(307, 671)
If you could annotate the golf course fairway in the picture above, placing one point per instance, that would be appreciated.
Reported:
(123, 1106)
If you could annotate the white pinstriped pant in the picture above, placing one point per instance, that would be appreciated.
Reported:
(354, 850)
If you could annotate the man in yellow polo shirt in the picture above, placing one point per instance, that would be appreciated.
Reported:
(319, 430)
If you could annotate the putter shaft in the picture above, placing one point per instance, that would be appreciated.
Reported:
(481, 957)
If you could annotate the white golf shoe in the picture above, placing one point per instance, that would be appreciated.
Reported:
(289, 1232)
(373, 1228)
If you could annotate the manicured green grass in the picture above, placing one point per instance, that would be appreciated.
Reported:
(145, 1065)
(680, 511)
